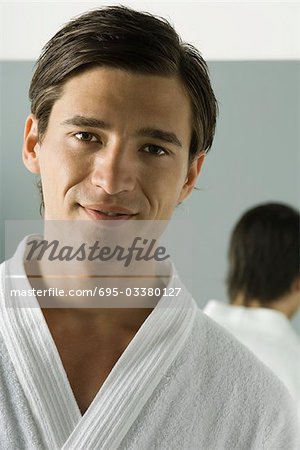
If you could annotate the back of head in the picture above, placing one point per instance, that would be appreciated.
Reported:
(264, 256)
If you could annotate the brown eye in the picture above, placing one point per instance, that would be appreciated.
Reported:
(155, 150)
(85, 136)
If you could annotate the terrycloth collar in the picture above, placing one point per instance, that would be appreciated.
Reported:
(124, 393)
(267, 320)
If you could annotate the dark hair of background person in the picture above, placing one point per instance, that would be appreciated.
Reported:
(120, 37)
(264, 254)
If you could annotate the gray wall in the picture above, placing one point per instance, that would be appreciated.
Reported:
(255, 158)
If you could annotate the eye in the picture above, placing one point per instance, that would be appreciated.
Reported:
(155, 150)
(85, 136)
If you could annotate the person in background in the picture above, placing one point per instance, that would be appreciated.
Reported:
(264, 289)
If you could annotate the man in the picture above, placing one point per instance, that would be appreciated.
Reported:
(264, 289)
(122, 115)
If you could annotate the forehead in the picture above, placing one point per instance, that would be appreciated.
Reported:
(115, 92)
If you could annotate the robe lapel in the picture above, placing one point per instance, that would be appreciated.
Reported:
(126, 390)
(136, 374)
(36, 360)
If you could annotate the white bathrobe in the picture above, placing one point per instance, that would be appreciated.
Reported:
(182, 383)
(269, 335)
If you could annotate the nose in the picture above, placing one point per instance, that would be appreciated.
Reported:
(114, 170)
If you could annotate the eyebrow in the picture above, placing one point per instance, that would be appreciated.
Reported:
(155, 133)
(161, 135)
(83, 121)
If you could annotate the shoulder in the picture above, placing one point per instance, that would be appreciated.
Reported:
(224, 355)
(239, 390)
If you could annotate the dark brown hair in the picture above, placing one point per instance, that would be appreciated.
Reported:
(121, 37)
(264, 253)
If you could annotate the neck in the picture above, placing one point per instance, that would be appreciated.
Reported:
(287, 304)
(117, 280)
(109, 322)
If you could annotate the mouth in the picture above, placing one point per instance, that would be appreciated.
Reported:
(108, 213)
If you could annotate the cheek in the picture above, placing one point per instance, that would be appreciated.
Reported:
(60, 166)
(171, 168)
(164, 184)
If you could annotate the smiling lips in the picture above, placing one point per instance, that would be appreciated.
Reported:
(102, 212)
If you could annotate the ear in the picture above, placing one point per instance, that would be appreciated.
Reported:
(296, 291)
(192, 176)
(296, 284)
(31, 145)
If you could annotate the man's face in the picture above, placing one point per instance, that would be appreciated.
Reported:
(116, 146)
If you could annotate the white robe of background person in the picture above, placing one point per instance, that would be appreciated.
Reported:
(182, 383)
(269, 335)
